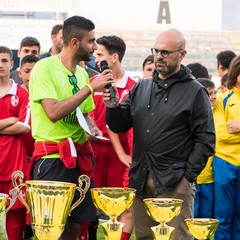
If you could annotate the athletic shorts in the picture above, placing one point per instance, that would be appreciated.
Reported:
(53, 169)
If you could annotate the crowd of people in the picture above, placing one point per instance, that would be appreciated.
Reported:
(171, 134)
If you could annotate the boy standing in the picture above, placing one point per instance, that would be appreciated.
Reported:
(14, 121)
(204, 195)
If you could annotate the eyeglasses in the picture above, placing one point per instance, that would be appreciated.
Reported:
(164, 53)
(73, 81)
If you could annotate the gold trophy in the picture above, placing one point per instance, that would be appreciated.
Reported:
(3, 210)
(49, 203)
(162, 210)
(201, 228)
(113, 202)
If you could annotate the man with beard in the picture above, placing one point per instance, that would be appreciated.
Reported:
(57, 42)
(58, 86)
(173, 134)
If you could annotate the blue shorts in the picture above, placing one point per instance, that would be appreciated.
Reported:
(53, 169)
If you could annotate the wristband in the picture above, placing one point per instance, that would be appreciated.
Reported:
(90, 87)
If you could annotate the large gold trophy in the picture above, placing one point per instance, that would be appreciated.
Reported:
(113, 202)
(3, 210)
(49, 203)
(201, 228)
(162, 210)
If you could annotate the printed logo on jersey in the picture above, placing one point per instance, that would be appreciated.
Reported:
(231, 105)
(14, 100)
(71, 118)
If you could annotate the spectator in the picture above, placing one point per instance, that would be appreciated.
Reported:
(148, 66)
(28, 45)
(198, 70)
(173, 133)
(57, 42)
(26, 67)
(224, 59)
(223, 87)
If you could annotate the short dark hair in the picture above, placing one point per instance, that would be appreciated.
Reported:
(233, 72)
(198, 70)
(225, 57)
(206, 82)
(7, 50)
(75, 27)
(28, 59)
(148, 59)
(224, 80)
(113, 44)
(29, 42)
(56, 29)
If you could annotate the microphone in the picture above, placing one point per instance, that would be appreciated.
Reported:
(104, 66)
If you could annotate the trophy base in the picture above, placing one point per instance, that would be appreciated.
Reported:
(46, 232)
(162, 232)
(112, 230)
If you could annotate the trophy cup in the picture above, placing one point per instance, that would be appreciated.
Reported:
(162, 210)
(113, 202)
(49, 203)
(201, 228)
(3, 210)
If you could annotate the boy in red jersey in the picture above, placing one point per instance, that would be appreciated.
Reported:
(112, 158)
(14, 121)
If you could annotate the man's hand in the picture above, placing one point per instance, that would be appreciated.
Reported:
(106, 97)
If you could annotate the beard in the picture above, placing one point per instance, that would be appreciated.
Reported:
(167, 70)
(83, 55)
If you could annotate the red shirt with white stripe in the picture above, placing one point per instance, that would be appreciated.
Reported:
(12, 150)
(98, 114)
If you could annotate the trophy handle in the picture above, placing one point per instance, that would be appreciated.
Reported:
(18, 176)
(13, 193)
(84, 184)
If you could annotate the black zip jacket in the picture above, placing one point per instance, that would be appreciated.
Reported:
(173, 129)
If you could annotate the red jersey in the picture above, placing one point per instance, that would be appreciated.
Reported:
(98, 114)
(13, 154)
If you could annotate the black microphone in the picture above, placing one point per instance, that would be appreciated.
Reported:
(104, 66)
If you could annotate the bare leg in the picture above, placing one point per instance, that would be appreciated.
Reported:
(71, 232)
(127, 218)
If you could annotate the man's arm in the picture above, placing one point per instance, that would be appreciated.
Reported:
(57, 110)
(117, 116)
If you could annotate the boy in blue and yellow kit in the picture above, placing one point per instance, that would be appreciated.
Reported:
(204, 196)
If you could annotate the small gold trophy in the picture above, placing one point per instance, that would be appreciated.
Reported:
(49, 203)
(113, 202)
(162, 210)
(3, 210)
(201, 228)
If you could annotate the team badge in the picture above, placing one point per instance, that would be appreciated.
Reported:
(14, 100)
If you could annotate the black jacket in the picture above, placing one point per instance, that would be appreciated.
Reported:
(173, 129)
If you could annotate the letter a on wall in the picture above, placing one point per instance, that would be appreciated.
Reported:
(164, 13)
